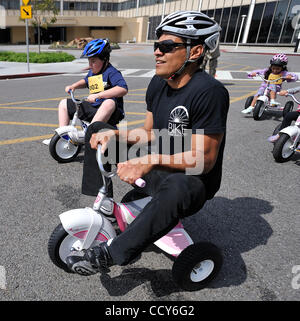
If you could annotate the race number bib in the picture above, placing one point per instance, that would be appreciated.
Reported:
(96, 84)
(274, 78)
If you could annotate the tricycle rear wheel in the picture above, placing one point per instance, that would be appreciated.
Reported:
(197, 265)
(258, 110)
(288, 107)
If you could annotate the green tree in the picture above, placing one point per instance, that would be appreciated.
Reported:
(44, 13)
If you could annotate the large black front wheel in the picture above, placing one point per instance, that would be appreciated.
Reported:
(282, 151)
(287, 108)
(197, 265)
(277, 129)
(258, 110)
(248, 102)
(62, 150)
(60, 246)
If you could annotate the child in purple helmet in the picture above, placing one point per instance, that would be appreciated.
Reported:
(277, 69)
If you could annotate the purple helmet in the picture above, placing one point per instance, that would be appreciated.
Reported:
(279, 60)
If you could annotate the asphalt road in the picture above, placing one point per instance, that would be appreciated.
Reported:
(253, 218)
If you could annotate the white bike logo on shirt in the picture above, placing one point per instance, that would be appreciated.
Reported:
(178, 121)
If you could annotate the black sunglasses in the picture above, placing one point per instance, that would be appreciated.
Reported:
(167, 45)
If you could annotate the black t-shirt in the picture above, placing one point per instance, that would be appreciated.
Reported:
(202, 104)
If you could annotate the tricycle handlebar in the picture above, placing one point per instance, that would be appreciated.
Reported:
(270, 81)
(139, 182)
(293, 97)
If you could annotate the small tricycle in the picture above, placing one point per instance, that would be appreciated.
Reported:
(67, 141)
(195, 266)
(263, 102)
(289, 139)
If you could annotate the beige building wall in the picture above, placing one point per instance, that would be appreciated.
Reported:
(112, 35)
(129, 24)
(17, 34)
(77, 32)
(78, 26)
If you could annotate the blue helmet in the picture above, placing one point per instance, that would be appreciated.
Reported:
(97, 47)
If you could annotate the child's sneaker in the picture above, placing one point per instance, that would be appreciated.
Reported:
(298, 149)
(274, 103)
(247, 110)
(273, 139)
(46, 141)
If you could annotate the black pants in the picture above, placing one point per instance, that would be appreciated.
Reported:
(174, 196)
(91, 178)
(87, 111)
(288, 118)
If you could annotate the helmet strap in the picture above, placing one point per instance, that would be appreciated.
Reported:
(187, 61)
(105, 64)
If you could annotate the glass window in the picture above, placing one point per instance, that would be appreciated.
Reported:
(5, 34)
(288, 29)
(154, 22)
(218, 13)
(224, 22)
(84, 6)
(278, 21)
(244, 11)
(210, 13)
(266, 22)
(232, 24)
(103, 6)
(10, 4)
(77, 6)
(57, 5)
(258, 10)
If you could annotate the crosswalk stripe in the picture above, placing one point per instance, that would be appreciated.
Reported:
(221, 74)
(127, 72)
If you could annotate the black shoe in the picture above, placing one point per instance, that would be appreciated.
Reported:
(91, 261)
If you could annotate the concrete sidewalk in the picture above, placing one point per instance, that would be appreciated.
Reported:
(20, 70)
(9, 70)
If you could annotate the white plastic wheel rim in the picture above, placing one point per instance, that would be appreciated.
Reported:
(202, 270)
(64, 149)
(69, 244)
(286, 149)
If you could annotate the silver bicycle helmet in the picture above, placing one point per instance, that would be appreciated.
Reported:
(194, 26)
(191, 25)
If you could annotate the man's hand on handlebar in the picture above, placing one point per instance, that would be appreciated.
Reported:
(133, 169)
(283, 92)
(102, 138)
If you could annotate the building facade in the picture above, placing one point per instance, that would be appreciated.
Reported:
(256, 22)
